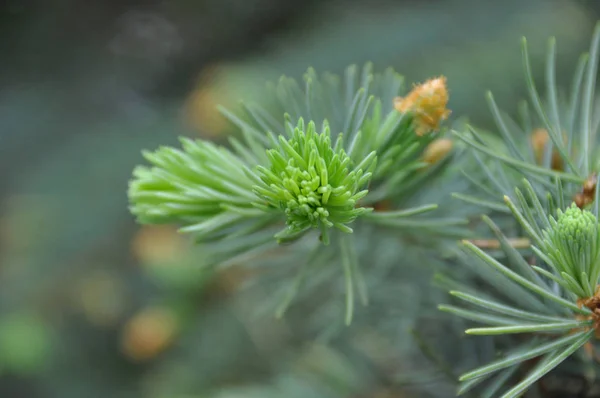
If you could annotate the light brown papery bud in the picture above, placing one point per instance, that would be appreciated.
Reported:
(427, 102)
(580, 200)
(588, 193)
(437, 149)
(589, 186)
(539, 139)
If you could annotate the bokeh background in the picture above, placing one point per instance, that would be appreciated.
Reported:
(93, 305)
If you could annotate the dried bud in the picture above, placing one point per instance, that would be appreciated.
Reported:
(427, 102)
(436, 150)
(589, 186)
(384, 205)
(539, 139)
(580, 200)
(588, 192)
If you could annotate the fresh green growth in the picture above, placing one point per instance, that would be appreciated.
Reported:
(547, 289)
(315, 184)
(553, 143)
(320, 183)
(202, 186)
(524, 299)
(358, 174)
(571, 244)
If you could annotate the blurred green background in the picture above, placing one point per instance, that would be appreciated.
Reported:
(92, 305)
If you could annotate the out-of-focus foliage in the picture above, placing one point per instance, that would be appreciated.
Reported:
(388, 37)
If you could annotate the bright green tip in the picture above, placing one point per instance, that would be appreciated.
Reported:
(311, 182)
(576, 224)
(572, 242)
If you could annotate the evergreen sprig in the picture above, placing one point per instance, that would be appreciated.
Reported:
(367, 110)
(571, 244)
(202, 186)
(553, 294)
(544, 299)
(281, 169)
(554, 147)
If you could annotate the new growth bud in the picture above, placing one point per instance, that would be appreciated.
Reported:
(572, 244)
(437, 150)
(539, 139)
(315, 184)
(576, 226)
